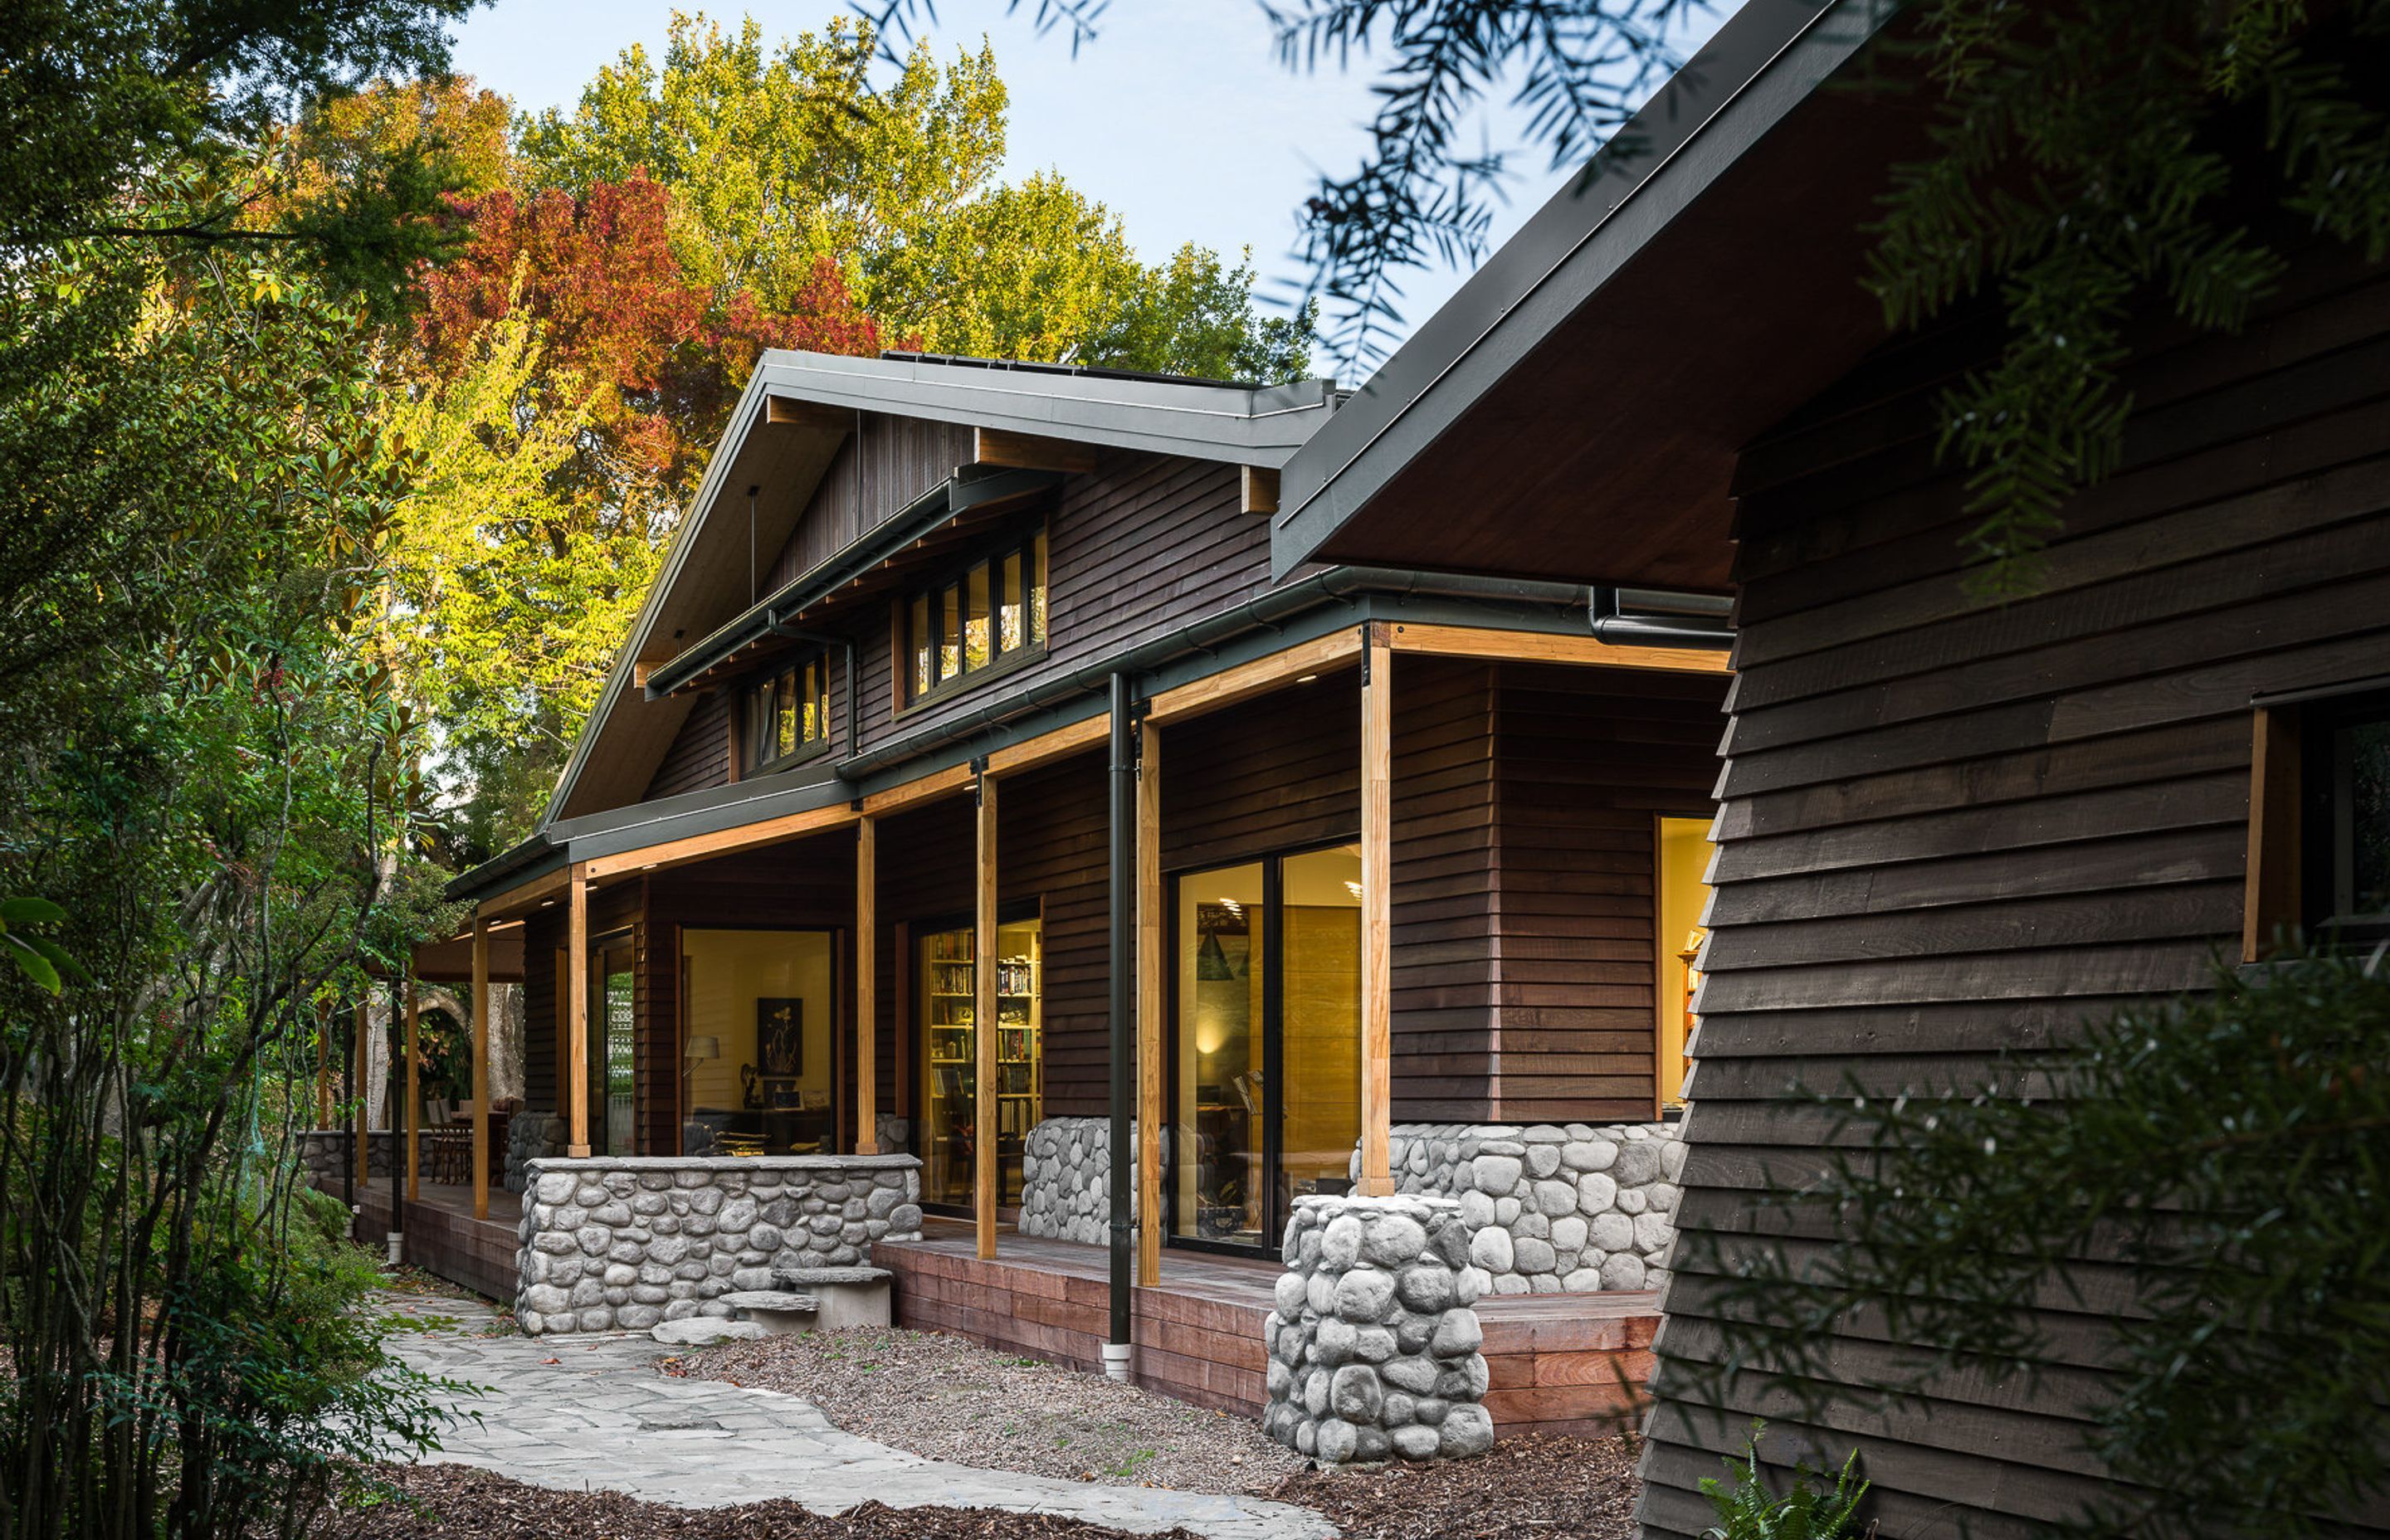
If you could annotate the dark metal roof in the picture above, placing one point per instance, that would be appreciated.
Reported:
(1083, 371)
(1574, 410)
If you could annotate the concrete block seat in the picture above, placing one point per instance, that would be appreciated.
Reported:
(842, 1296)
(777, 1311)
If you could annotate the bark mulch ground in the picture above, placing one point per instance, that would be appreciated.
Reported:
(457, 1502)
(1527, 1489)
(949, 1399)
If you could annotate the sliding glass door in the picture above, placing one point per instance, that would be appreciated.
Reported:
(614, 992)
(1268, 1026)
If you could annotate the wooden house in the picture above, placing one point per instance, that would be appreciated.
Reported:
(1947, 830)
(946, 649)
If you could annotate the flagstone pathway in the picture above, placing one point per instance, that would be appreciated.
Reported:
(590, 1412)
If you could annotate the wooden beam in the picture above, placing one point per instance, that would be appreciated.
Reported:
(480, 1008)
(1376, 916)
(1150, 996)
(699, 847)
(360, 1068)
(1047, 747)
(942, 783)
(1550, 647)
(1257, 488)
(413, 1106)
(983, 1025)
(788, 412)
(1257, 677)
(1029, 451)
(576, 1020)
(2273, 896)
(866, 987)
(525, 897)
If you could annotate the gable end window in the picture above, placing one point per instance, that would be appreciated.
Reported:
(787, 714)
(2319, 818)
(986, 616)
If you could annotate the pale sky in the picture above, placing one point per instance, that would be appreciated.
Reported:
(1179, 115)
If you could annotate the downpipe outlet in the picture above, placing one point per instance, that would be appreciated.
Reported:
(1116, 1361)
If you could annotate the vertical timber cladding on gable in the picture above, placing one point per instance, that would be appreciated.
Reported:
(881, 468)
(1953, 830)
(1589, 758)
(803, 884)
(1140, 547)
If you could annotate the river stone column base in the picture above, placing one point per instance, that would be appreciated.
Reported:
(1373, 1346)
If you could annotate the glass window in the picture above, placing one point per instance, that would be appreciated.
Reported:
(786, 713)
(615, 1048)
(2346, 816)
(950, 656)
(1319, 946)
(924, 646)
(1037, 589)
(948, 1012)
(995, 608)
(1683, 895)
(757, 1066)
(1219, 1194)
(1010, 602)
(976, 619)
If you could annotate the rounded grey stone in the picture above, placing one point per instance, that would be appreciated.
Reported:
(1392, 1240)
(1335, 1442)
(1373, 1344)
(1413, 1374)
(1624, 1271)
(556, 1186)
(1414, 1442)
(1543, 1160)
(1568, 1235)
(546, 1300)
(1426, 1285)
(1492, 1250)
(1496, 1175)
(1611, 1232)
(1530, 1256)
(1333, 1341)
(1638, 1162)
(1467, 1431)
(1433, 1409)
(1364, 1295)
(1555, 1198)
(1457, 1333)
(1354, 1394)
(1653, 1231)
(1289, 1294)
(1632, 1200)
(596, 1319)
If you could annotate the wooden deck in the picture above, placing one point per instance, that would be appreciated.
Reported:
(1562, 1363)
(443, 1238)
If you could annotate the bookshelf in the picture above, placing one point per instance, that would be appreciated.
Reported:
(950, 1056)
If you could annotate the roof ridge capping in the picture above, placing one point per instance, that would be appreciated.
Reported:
(1566, 251)
(1205, 420)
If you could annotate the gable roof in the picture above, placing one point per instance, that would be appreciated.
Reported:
(1574, 411)
(702, 586)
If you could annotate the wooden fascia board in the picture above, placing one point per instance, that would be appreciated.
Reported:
(1544, 647)
(1259, 676)
(525, 897)
(698, 847)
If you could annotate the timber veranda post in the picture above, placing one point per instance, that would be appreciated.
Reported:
(576, 1053)
(985, 1185)
(866, 986)
(1377, 911)
(481, 1067)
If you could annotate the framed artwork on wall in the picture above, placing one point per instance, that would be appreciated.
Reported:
(780, 1035)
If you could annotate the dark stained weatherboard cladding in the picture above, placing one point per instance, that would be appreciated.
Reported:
(699, 755)
(1953, 829)
(1053, 834)
(1588, 760)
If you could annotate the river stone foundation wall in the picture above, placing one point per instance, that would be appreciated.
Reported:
(1551, 1208)
(1374, 1345)
(532, 1137)
(622, 1243)
(1066, 1179)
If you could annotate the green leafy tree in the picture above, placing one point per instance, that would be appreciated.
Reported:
(779, 162)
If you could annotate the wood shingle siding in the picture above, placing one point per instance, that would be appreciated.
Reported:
(1954, 830)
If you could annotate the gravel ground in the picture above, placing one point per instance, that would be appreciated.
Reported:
(1547, 1488)
(946, 1398)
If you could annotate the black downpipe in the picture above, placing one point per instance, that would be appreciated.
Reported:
(1123, 1040)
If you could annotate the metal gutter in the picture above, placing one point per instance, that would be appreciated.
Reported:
(534, 857)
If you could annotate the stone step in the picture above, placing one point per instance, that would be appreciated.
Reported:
(784, 1302)
(703, 1331)
(799, 1278)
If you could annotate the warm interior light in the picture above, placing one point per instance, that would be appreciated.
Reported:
(1233, 907)
(1307, 679)
(1352, 887)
